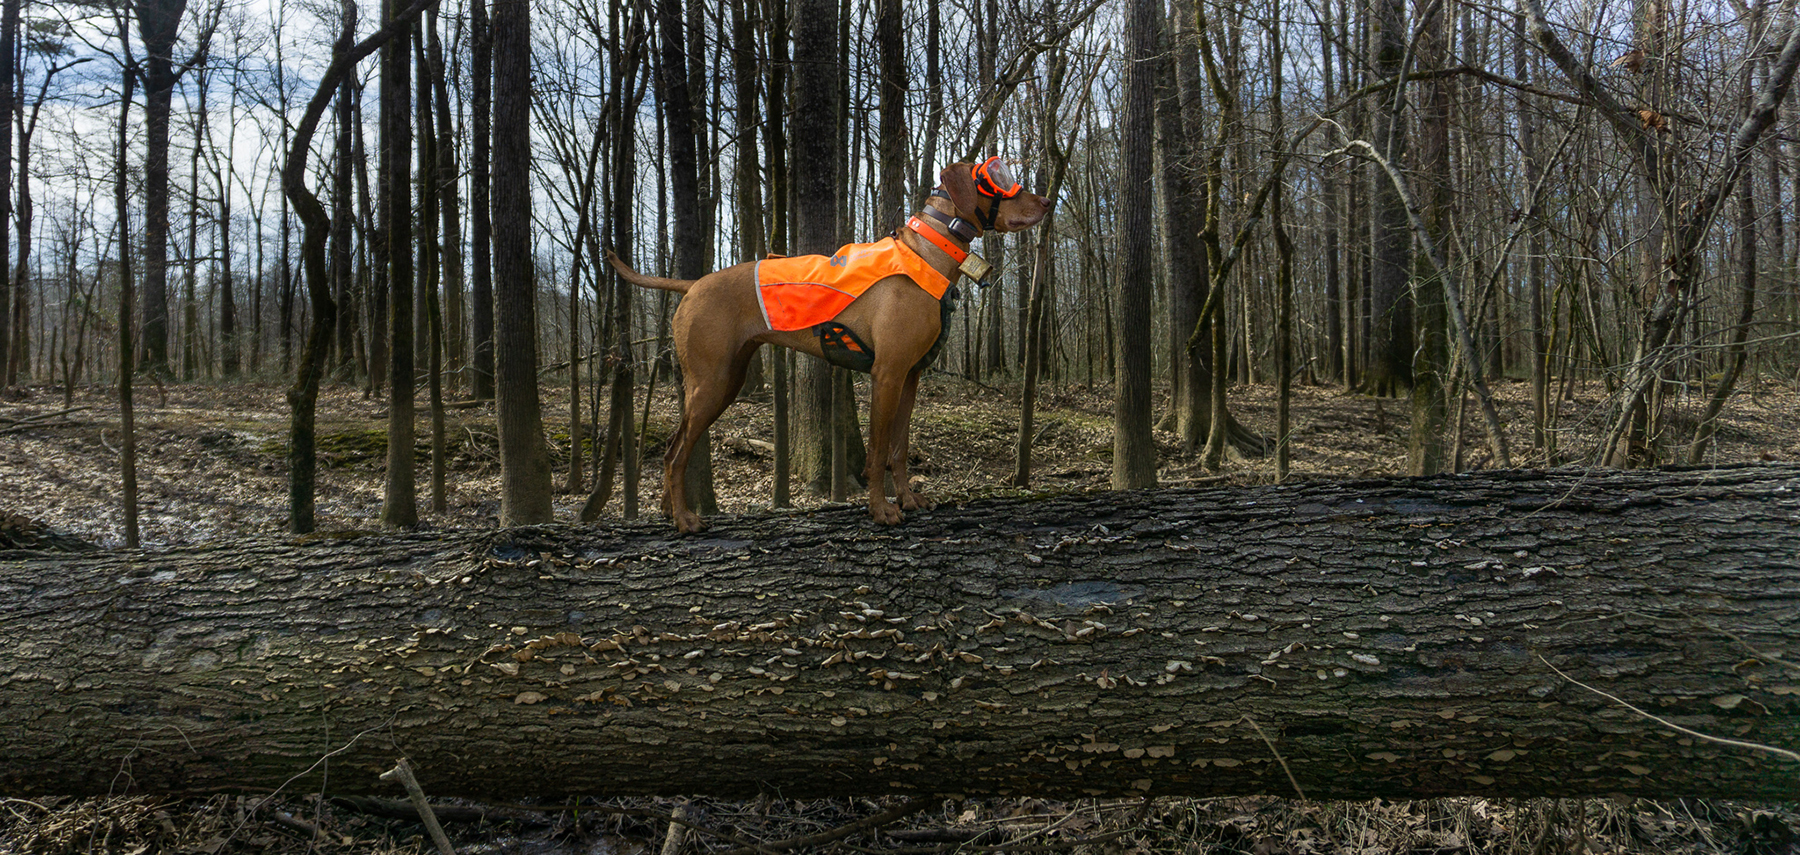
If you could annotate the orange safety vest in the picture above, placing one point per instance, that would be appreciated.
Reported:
(800, 292)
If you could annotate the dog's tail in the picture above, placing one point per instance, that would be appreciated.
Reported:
(679, 286)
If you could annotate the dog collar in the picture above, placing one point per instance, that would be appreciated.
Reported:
(960, 228)
(924, 230)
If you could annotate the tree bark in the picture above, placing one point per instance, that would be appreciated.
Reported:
(1389, 371)
(481, 224)
(524, 457)
(159, 21)
(688, 229)
(9, 34)
(1393, 638)
(1134, 448)
(1179, 121)
(400, 497)
(817, 147)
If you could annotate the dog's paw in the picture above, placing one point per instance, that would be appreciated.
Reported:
(885, 512)
(688, 522)
(916, 502)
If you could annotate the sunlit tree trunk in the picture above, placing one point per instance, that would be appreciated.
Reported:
(1134, 449)
(1430, 447)
(1179, 122)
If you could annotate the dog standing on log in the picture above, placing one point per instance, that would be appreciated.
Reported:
(877, 307)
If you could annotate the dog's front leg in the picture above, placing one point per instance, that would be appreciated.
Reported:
(901, 443)
(884, 405)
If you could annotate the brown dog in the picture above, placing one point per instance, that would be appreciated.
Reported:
(724, 319)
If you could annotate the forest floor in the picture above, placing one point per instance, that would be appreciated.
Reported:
(212, 465)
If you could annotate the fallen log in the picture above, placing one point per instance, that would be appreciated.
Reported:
(1397, 638)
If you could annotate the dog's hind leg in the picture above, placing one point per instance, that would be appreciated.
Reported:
(706, 397)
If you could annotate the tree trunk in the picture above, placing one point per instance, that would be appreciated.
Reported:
(481, 228)
(1393, 638)
(9, 34)
(1043, 269)
(689, 234)
(1179, 119)
(621, 447)
(303, 396)
(428, 309)
(159, 21)
(1134, 449)
(1543, 438)
(343, 223)
(400, 504)
(450, 206)
(524, 459)
(128, 492)
(891, 204)
(817, 147)
(1390, 344)
(775, 142)
(1429, 446)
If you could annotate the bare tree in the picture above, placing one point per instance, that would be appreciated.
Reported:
(524, 460)
(817, 148)
(127, 300)
(9, 39)
(1686, 210)
(400, 505)
(159, 25)
(1134, 449)
(481, 227)
(1389, 345)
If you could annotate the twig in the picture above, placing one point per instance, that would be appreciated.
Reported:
(402, 772)
(677, 832)
(1735, 743)
(23, 421)
(1278, 758)
(290, 821)
(322, 760)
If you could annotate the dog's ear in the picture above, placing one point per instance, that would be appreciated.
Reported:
(958, 179)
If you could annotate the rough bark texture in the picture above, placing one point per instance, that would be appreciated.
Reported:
(1380, 638)
(159, 22)
(1134, 448)
(524, 458)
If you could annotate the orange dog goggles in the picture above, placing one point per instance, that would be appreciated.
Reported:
(992, 178)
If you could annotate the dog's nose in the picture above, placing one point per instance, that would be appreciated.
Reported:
(1048, 202)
